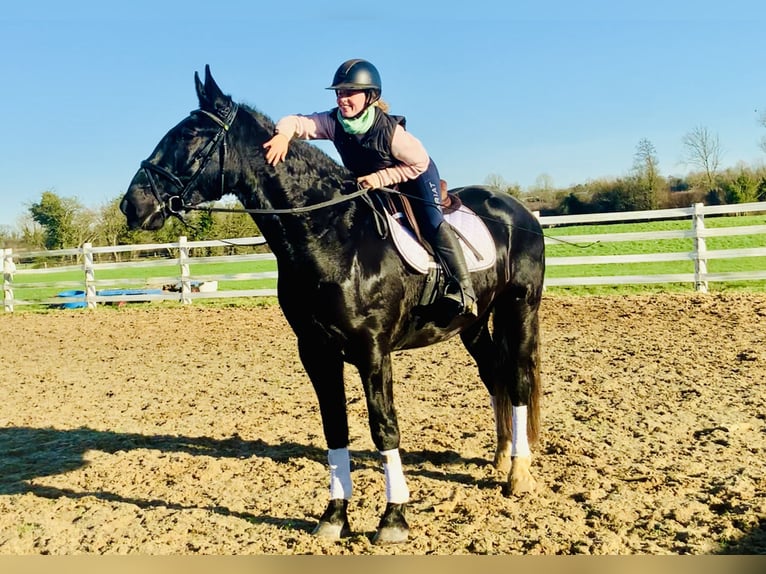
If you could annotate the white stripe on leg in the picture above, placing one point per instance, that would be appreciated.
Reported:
(519, 441)
(396, 487)
(340, 473)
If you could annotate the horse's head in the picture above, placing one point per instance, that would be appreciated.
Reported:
(181, 170)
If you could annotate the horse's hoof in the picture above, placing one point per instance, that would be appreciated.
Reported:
(522, 485)
(393, 527)
(391, 536)
(333, 525)
(520, 479)
(502, 462)
(331, 531)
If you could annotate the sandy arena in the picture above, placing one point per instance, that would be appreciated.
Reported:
(195, 431)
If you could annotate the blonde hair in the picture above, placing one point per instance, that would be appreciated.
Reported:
(384, 107)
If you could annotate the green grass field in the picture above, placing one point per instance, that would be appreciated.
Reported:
(658, 246)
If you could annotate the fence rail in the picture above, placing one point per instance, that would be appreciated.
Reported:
(699, 254)
(88, 294)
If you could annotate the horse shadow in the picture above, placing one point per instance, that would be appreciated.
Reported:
(28, 453)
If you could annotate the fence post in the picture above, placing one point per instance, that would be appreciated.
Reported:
(8, 270)
(90, 275)
(183, 259)
(700, 249)
(536, 213)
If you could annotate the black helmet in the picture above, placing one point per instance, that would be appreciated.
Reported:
(358, 75)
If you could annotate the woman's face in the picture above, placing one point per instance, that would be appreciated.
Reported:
(350, 102)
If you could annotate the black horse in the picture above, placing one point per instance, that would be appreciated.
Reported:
(348, 294)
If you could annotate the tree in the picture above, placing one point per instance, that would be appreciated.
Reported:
(543, 184)
(647, 172)
(741, 184)
(64, 221)
(703, 149)
(497, 183)
(112, 227)
(234, 224)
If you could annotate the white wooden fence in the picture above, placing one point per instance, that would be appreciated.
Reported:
(89, 295)
(699, 254)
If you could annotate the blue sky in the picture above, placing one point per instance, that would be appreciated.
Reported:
(514, 89)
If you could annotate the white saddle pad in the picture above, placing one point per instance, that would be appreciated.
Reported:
(466, 221)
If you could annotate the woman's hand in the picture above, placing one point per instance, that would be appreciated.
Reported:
(276, 148)
(371, 180)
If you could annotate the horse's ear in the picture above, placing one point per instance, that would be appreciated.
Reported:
(201, 96)
(210, 95)
(209, 81)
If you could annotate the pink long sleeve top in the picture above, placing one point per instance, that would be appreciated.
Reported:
(406, 148)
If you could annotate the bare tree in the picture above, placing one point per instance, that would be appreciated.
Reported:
(647, 172)
(543, 184)
(645, 162)
(703, 149)
(497, 182)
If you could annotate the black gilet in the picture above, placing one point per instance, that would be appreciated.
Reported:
(371, 151)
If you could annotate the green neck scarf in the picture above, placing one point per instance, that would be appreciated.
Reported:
(359, 124)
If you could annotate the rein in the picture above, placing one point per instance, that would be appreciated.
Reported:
(282, 211)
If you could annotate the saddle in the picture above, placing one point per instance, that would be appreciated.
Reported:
(400, 222)
(400, 208)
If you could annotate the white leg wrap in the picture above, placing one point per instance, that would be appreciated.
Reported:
(519, 442)
(340, 473)
(396, 487)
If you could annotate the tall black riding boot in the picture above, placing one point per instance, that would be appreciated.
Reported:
(458, 292)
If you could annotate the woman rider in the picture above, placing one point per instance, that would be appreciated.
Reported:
(378, 150)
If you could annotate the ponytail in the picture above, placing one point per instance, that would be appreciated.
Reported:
(384, 107)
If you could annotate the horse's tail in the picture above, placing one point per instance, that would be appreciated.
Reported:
(517, 336)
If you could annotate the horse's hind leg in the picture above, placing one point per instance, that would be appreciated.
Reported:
(508, 361)
(478, 341)
(516, 333)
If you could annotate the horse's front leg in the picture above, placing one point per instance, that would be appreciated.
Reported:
(325, 370)
(377, 380)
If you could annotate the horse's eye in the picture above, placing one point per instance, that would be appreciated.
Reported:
(188, 133)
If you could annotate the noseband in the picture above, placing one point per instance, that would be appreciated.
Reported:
(177, 203)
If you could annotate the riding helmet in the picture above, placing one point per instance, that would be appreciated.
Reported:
(358, 74)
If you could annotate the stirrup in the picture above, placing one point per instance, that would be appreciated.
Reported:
(465, 304)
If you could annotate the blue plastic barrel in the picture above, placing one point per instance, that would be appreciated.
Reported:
(73, 304)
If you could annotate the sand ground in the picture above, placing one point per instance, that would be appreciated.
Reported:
(195, 431)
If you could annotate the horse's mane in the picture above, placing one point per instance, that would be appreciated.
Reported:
(309, 176)
(306, 160)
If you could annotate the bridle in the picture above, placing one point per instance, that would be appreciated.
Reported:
(177, 204)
